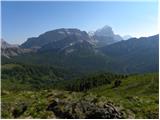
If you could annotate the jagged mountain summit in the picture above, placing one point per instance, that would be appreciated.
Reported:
(105, 36)
(105, 31)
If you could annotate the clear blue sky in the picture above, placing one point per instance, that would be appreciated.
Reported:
(21, 20)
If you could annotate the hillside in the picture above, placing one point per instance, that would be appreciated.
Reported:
(134, 55)
(136, 96)
(17, 77)
(138, 93)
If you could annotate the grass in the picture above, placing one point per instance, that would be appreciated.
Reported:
(138, 93)
(36, 102)
(10, 66)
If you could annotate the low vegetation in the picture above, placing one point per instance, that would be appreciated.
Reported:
(32, 91)
(138, 93)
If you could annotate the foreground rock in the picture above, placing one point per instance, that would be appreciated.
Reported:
(88, 107)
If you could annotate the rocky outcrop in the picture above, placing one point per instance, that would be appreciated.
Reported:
(88, 107)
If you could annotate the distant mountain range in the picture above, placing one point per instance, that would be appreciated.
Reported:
(80, 51)
(10, 50)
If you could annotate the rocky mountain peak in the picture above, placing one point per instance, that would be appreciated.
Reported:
(5, 44)
(105, 36)
(104, 31)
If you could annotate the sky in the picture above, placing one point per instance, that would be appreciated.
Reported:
(25, 19)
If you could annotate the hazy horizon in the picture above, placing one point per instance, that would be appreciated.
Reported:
(21, 20)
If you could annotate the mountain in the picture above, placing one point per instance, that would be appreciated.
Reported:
(68, 48)
(5, 45)
(126, 37)
(10, 50)
(105, 36)
(70, 41)
(77, 51)
(138, 55)
(81, 58)
(55, 36)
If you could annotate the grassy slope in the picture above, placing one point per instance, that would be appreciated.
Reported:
(36, 102)
(138, 93)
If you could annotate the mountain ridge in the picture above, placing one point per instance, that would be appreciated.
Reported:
(74, 49)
